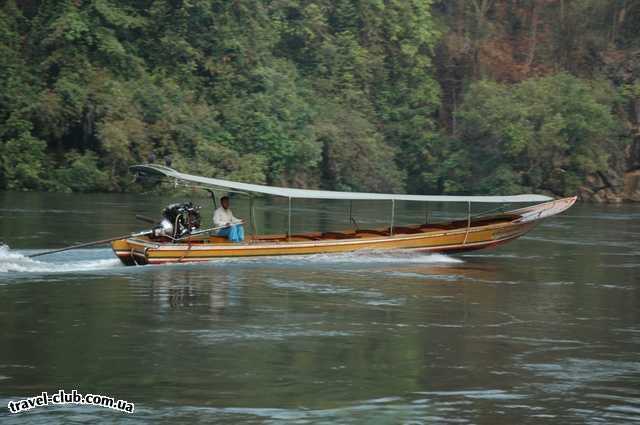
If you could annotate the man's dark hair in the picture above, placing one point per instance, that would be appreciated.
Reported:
(223, 198)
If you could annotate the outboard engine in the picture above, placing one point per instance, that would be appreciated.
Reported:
(178, 220)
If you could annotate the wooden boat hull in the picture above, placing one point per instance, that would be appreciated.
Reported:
(477, 234)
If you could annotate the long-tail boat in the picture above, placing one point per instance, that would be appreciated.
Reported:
(472, 233)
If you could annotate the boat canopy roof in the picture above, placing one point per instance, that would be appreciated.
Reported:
(226, 185)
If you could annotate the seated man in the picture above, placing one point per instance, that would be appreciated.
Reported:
(224, 217)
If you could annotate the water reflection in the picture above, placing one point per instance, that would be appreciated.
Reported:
(183, 288)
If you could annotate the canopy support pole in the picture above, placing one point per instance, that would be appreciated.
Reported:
(215, 204)
(252, 218)
(466, 235)
(289, 222)
(213, 198)
(393, 216)
(426, 214)
(351, 219)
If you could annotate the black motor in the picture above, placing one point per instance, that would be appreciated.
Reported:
(178, 220)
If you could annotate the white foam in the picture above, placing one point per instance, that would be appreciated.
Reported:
(16, 262)
(379, 257)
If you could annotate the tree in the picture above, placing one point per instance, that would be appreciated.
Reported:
(542, 134)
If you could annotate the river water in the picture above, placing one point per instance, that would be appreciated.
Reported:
(545, 329)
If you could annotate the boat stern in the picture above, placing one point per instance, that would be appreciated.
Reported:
(123, 251)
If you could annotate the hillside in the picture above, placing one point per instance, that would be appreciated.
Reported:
(462, 96)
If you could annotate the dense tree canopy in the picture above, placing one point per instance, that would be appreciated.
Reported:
(424, 96)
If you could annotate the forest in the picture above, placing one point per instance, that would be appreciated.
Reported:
(415, 96)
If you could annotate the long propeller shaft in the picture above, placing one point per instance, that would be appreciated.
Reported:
(86, 244)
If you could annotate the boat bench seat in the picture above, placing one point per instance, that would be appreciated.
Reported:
(407, 230)
(367, 234)
(428, 227)
(277, 237)
(338, 235)
(217, 239)
(313, 236)
(373, 232)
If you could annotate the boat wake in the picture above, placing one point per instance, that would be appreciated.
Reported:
(88, 260)
(17, 262)
(385, 257)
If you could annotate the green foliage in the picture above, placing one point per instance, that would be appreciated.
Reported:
(81, 173)
(542, 134)
(22, 163)
(216, 160)
(355, 157)
(313, 93)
